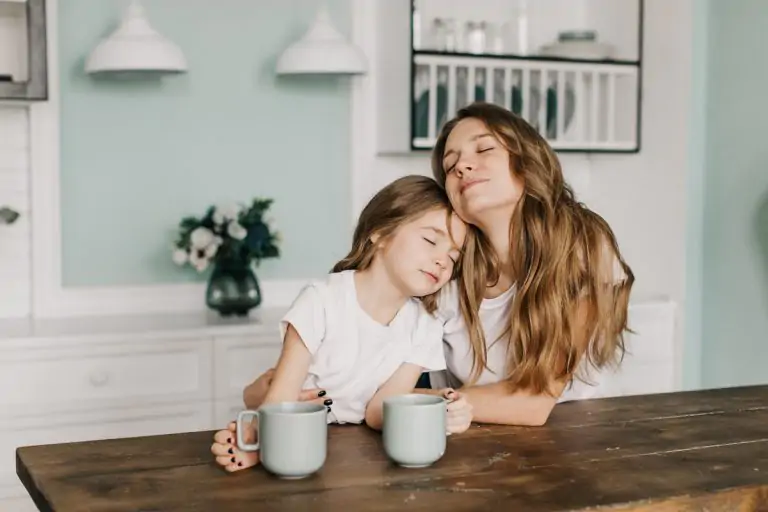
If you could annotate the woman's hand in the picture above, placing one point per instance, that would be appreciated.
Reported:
(256, 391)
(459, 416)
(228, 455)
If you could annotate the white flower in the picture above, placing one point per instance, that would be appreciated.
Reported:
(180, 256)
(222, 214)
(201, 238)
(199, 260)
(210, 251)
(236, 231)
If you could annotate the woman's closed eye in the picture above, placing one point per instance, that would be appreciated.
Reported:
(483, 150)
(432, 242)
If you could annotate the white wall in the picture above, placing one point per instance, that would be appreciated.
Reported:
(15, 241)
(642, 195)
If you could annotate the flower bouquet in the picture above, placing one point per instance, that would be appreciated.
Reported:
(230, 239)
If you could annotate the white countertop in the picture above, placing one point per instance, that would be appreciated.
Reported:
(260, 321)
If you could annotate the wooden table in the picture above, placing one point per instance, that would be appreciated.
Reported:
(705, 450)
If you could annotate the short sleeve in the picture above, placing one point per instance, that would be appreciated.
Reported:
(426, 348)
(307, 316)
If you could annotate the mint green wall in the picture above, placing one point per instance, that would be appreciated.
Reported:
(137, 156)
(735, 257)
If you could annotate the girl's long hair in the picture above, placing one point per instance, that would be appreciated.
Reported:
(402, 201)
(572, 284)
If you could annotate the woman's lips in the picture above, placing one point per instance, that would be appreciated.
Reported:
(468, 184)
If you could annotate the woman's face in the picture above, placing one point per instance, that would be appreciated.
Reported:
(478, 178)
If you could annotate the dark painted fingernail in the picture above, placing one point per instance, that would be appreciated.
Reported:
(230, 451)
(328, 402)
(321, 393)
(233, 459)
(239, 463)
(229, 440)
(329, 408)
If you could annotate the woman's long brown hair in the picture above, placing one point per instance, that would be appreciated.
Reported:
(573, 286)
(404, 200)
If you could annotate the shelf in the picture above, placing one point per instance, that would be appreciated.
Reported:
(576, 104)
(533, 58)
(586, 105)
(23, 50)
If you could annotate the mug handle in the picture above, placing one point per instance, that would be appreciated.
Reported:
(240, 441)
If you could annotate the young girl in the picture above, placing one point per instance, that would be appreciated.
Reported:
(362, 335)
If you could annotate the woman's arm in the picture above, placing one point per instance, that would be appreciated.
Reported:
(401, 382)
(494, 403)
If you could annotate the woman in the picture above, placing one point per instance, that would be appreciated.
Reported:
(543, 292)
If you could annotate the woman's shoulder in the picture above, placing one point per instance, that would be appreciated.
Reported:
(448, 301)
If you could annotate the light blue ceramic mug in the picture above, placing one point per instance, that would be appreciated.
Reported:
(293, 437)
(414, 431)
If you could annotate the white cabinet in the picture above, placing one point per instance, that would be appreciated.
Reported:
(576, 78)
(67, 380)
(238, 360)
(651, 363)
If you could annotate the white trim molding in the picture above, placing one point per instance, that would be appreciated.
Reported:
(362, 94)
(49, 297)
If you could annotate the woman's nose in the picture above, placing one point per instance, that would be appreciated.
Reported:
(464, 166)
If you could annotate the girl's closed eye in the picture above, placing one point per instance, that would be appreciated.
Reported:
(428, 240)
(483, 150)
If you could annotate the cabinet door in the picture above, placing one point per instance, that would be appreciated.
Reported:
(650, 364)
(126, 372)
(239, 360)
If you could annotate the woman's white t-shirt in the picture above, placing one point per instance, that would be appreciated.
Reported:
(352, 354)
(494, 316)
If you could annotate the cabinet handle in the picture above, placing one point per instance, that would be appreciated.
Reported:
(99, 379)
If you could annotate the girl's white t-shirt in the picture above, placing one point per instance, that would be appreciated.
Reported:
(352, 354)
(494, 315)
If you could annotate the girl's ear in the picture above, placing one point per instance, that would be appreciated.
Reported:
(375, 238)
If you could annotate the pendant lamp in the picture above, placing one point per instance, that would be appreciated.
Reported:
(322, 50)
(136, 46)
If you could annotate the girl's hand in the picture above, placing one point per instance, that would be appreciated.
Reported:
(459, 415)
(228, 455)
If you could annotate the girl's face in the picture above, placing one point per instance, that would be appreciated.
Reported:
(420, 256)
(478, 177)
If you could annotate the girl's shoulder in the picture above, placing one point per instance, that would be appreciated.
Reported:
(330, 289)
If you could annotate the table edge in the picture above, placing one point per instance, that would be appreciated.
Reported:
(41, 502)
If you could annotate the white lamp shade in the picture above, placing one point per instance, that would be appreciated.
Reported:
(322, 50)
(136, 46)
